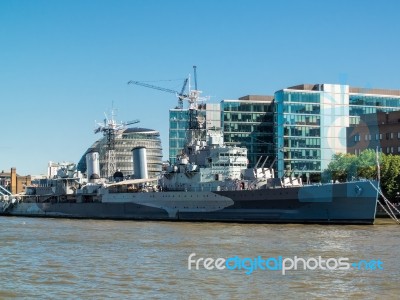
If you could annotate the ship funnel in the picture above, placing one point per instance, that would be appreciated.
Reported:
(140, 162)
(92, 166)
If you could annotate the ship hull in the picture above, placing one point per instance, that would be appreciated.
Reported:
(349, 203)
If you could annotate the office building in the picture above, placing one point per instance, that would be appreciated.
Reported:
(248, 122)
(208, 116)
(311, 122)
(178, 125)
(125, 141)
(379, 131)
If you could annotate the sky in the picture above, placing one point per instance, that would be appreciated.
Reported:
(65, 63)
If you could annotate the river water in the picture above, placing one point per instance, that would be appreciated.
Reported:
(74, 259)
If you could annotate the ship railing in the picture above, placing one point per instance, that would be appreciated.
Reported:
(201, 189)
(389, 204)
(37, 198)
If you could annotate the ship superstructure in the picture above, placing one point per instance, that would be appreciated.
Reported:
(206, 166)
(209, 182)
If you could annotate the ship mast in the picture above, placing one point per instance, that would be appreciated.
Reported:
(196, 123)
(110, 128)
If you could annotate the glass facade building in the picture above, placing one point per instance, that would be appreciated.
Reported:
(311, 123)
(179, 125)
(248, 122)
(213, 115)
(124, 143)
(311, 127)
(301, 126)
(361, 104)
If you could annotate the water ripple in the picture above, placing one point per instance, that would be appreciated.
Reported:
(69, 259)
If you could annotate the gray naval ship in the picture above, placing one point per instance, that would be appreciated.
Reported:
(209, 182)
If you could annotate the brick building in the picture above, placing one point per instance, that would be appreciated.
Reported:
(13, 182)
(379, 130)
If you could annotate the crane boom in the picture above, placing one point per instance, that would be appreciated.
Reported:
(153, 86)
(184, 85)
(180, 95)
(130, 122)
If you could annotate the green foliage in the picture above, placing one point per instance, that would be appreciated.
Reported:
(390, 175)
(345, 167)
(366, 165)
(341, 167)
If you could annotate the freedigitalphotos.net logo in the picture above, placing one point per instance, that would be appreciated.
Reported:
(249, 265)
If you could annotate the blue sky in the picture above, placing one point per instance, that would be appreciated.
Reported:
(63, 63)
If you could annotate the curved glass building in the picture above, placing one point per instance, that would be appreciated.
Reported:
(124, 143)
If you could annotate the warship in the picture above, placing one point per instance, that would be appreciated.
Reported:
(210, 181)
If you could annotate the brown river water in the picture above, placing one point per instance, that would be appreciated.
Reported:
(92, 259)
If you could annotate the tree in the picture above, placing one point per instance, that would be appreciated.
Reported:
(341, 167)
(366, 165)
(390, 175)
(346, 167)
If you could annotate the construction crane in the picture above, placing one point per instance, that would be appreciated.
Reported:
(110, 128)
(181, 95)
(196, 121)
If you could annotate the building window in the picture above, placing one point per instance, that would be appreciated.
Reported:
(369, 137)
(391, 150)
(387, 135)
(398, 135)
(391, 135)
(387, 150)
(398, 149)
(380, 136)
(377, 136)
